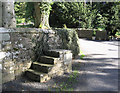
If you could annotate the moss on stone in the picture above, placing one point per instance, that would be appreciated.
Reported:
(69, 40)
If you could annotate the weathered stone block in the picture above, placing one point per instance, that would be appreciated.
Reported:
(7, 47)
(4, 37)
(101, 35)
(67, 58)
(85, 33)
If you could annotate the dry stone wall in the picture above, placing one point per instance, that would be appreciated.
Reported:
(20, 47)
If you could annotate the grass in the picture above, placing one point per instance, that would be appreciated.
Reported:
(67, 86)
(81, 55)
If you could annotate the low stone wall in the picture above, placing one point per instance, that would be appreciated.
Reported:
(101, 35)
(85, 33)
(17, 52)
(20, 47)
(88, 33)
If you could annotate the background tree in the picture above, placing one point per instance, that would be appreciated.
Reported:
(66, 13)
(20, 12)
(39, 13)
(110, 16)
(73, 14)
(8, 15)
(98, 15)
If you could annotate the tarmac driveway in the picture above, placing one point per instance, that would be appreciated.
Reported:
(100, 70)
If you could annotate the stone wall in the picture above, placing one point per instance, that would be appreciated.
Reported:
(101, 35)
(0, 14)
(17, 51)
(88, 33)
(85, 33)
(20, 47)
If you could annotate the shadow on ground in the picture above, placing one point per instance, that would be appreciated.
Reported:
(92, 74)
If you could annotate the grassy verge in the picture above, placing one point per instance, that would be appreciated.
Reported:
(68, 84)
(81, 55)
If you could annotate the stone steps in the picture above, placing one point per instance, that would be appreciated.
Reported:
(50, 65)
(41, 67)
(48, 60)
(56, 52)
(36, 75)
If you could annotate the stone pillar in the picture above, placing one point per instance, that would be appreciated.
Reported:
(0, 14)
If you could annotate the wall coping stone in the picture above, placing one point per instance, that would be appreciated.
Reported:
(28, 30)
(86, 29)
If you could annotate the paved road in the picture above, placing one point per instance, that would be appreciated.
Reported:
(100, 70)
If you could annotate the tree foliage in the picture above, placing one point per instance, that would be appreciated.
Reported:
(20, 12)
(38, 12)
(98, 15)
(66, 13)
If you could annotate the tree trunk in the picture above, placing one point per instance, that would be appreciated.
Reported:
(0, 14)
(41, 17)
(37, 14)
(8, 15)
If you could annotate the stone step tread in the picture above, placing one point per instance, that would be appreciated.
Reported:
(49, 57)
(36, 72)
(41, 64)
(37, 76)
(45, 68)
(49, 60)
(60, 50)
(56, 52)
